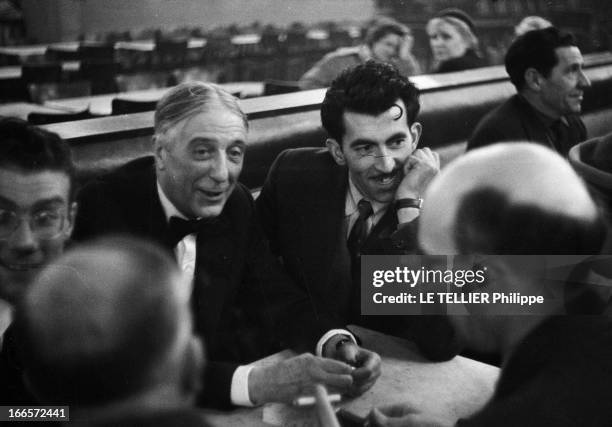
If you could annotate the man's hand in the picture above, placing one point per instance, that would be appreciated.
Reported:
(366, 363)
(405, 48)
(400, 415)
(420, 168)
(290, 378)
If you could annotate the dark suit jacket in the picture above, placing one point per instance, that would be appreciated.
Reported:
(302, 209)
(560, 375)
(516, 120)
(244, 305)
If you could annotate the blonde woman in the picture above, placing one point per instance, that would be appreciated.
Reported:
(453, 43)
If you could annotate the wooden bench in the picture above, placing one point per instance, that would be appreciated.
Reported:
(451, 105)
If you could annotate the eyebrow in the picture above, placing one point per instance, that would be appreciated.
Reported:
(38, 204)
(362, 141)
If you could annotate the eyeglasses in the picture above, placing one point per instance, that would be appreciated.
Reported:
(44, 224)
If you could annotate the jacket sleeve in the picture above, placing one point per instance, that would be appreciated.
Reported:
(217, 383)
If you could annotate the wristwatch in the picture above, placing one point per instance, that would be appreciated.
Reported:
(408, 203)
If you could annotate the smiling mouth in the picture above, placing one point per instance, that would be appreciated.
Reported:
(213, 194)
(385, 180)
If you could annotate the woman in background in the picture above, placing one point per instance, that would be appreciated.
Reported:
(453, 43)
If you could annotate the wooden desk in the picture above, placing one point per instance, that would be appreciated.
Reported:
(13, 72)
(22, 109)
(149, 45)
(454, 389)
(26, 52)
(101, 104)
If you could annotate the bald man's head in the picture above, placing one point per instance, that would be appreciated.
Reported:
(511, 198)
(107, 320)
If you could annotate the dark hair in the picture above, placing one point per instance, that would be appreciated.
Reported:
(97, 374)
(31, 149)
(487, 222)
(535, 49)
(381, 29)
(369, 88)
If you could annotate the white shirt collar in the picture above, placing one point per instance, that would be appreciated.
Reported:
(353, 197)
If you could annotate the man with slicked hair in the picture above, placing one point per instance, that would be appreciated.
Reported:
(522, 199)
(107, 330)
(188, 199)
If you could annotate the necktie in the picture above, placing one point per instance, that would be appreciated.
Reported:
(359, 232)
(356, 239)
(178, 228)
(562, 140)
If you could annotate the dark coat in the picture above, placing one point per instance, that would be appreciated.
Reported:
(468, 61)
(244, 305)
(516, 120)
(560, 375)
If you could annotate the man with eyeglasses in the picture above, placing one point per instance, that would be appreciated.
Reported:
(323, 208)
(37, 212)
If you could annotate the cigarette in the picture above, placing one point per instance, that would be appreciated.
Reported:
(310, 400)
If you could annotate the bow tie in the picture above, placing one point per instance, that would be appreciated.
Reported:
(178, 228)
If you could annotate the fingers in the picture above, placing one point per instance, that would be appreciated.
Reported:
(333, 373)
(391, 417)
(348, 353)
(367, 372)
(377, 418)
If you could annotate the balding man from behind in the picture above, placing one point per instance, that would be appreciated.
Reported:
(107, 329)
(521, 199)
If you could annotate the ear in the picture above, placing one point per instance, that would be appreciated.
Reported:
(335, 149)
(159, 152)
(72, 213)
(533, 79)
(416, 130)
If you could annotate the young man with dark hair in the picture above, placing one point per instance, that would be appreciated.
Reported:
(545, 66)
(386, 41)
(323, 208)
(522, 199)
(37, 212)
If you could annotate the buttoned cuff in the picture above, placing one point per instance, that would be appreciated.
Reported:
(330, 334)
(239, 392)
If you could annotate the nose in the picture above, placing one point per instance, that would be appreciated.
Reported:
(583, 80)
(219, 170)
(385, 163)
(22, 238)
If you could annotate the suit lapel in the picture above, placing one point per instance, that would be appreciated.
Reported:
(212, 278)
(322, 221)
(154, 218)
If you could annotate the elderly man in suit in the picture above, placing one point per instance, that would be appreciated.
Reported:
(187, 198)
(324, 207)
(107, 330)
(510, 199)
(545, 66)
